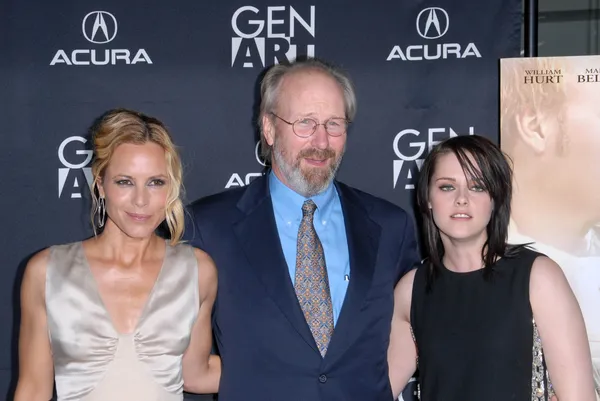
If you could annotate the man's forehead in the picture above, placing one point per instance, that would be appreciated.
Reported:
(305, 76)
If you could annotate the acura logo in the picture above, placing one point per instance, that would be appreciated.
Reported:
(99, 27)
(432, 23)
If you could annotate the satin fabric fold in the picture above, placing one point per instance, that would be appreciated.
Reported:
(83, 339)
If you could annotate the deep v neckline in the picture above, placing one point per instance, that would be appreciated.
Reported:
(96, 289)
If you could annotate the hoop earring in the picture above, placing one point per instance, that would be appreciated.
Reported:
(101, 210)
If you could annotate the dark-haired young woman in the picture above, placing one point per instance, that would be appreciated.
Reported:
(482, 319)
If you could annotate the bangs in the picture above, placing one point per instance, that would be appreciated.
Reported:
(473, 171)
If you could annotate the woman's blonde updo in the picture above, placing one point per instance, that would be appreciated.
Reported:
(119, 126)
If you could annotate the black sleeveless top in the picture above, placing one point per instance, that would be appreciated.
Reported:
(475, 336)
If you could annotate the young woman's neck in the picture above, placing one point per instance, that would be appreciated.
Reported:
(463, 256)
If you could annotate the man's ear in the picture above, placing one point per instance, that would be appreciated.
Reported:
(268, 129)
(535, 129)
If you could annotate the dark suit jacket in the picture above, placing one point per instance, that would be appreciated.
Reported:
(266, 346)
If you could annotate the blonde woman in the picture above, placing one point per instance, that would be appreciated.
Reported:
(124, 315)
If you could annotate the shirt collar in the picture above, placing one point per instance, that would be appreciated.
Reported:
(289, 203)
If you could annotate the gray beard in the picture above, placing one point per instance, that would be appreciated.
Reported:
(306, 184)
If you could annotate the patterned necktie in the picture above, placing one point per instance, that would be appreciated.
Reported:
(311, 281)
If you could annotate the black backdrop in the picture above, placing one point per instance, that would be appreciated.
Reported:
(424, 70)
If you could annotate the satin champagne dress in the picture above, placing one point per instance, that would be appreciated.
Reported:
(92, 360)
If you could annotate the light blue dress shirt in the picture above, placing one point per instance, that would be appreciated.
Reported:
(330, 227)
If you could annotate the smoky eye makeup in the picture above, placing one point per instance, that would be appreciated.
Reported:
(122, 181)
(153, 181)
(446, 187)
(157, 182)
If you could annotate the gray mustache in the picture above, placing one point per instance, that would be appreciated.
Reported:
(317, 153)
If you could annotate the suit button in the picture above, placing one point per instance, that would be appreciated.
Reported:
(322, 379)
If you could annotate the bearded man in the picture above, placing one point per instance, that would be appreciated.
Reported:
(307, 265)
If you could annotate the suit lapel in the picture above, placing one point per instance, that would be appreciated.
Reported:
(259, 239)
(363, 242)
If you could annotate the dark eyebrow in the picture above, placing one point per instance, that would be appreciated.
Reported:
(446, 178)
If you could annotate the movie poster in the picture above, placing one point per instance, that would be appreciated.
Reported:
(550, 128)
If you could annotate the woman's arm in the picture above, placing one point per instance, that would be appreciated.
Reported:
(402, 352)
(201, 370)
(562, 330)
(36, 371)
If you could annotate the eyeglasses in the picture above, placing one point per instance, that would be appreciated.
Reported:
(306, 126)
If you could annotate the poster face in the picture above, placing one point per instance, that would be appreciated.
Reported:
(550, 128)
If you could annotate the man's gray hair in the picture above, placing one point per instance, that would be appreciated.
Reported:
(269, 91)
